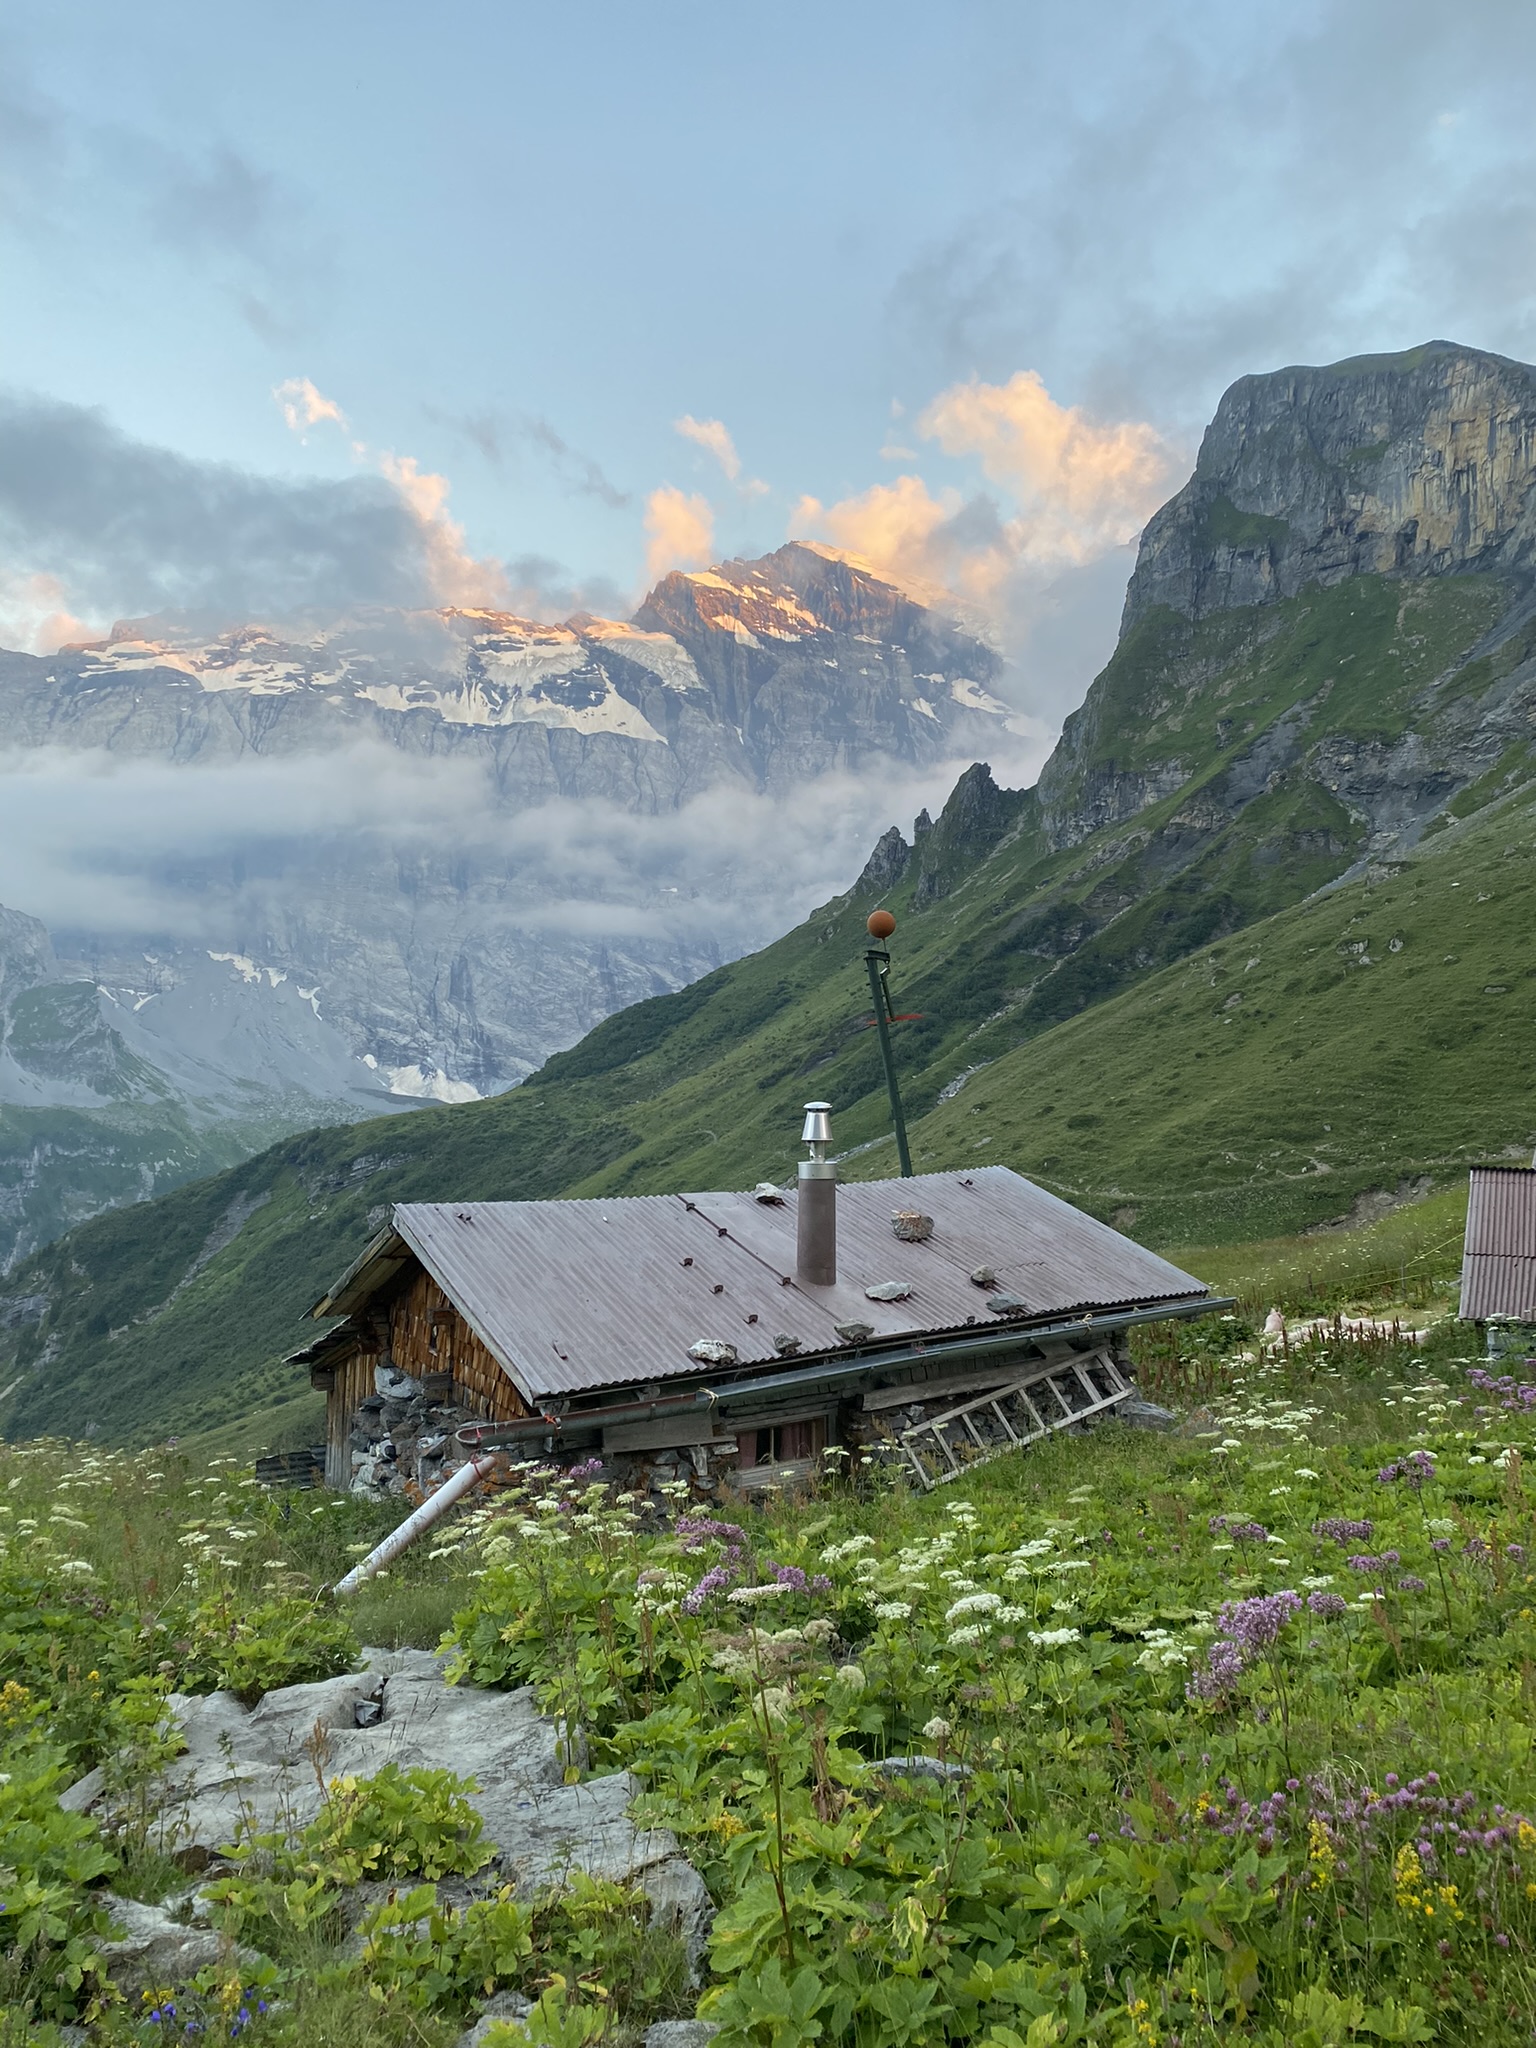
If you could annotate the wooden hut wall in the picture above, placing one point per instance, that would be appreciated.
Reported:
(428, 1335)
(353, 1382)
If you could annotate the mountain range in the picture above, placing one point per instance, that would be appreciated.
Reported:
(1247, 960)
(402, 857)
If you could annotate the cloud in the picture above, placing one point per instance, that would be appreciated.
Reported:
(713, 438)
(541, 588)
(891, 528)
(1339, 210)
(124, 528)
(303, 406)
(229, 221)
(680, 531)
(35, 616)
(120, 848)
(1042, 575)
(492, 434)
(1081, 485)
(457, 577)
(1080, 489)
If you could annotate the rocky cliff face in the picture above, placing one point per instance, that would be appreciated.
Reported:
(1416, 464)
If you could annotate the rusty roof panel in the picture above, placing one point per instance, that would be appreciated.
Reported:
(572, 1296)
(1498, 1267)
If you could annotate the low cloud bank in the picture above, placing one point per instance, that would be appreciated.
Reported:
(120, 849)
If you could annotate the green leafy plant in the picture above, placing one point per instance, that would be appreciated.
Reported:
(248, 1648)
(397, 1823)
(429, 1954)
(49, 1920)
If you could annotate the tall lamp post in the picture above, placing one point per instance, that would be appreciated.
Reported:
(880, 924)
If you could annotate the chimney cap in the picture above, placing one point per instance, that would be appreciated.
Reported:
(817, 1129)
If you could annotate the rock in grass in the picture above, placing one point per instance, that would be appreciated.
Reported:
(154, 1950)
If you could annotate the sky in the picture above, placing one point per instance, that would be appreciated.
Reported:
(522, 304)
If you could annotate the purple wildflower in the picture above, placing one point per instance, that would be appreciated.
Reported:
(1326, 1604)
(1514, 1550)
(1511, 1393)
(1339, 1529)
(1415, 1470)
(1254, 1624)
(794, 1578)
(699, 1529)
(1223, 1668)
(1366, 1564)
(1409, 1584)
(717, 1579)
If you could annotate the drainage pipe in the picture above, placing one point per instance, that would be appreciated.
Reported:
(432, 1509)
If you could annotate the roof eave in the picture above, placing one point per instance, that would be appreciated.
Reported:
(380, 1259)
(917, 1347)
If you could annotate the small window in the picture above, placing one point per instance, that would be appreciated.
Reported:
(786, 1443)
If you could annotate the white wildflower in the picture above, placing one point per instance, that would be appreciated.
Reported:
(835, 1553)
(852, 1677)
(968, 1637)
(1305, 1472)
(746, 1596)
(974, 1603)
(1053, 1638)
(893, 1610)
(936, 1730)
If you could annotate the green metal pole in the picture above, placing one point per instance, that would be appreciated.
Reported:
(872, 960)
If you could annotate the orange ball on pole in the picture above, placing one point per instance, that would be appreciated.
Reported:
(880, 924)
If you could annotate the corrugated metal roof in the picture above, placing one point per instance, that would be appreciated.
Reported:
(572, 1296)
(1498, 1266)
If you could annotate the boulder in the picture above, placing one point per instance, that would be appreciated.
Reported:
(505, 2005)
(262, 1767)
(155, 1951)
(680, 2034)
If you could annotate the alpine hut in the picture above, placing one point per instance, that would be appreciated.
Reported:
(732, 1337)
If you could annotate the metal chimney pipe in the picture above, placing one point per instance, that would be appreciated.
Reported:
(816, 1202)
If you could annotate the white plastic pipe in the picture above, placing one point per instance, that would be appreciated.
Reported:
(432, 1509)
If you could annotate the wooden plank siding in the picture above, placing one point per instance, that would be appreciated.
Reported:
(427, 1334)
(353, 1382)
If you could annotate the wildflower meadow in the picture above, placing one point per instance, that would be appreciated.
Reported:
(1215, 1735)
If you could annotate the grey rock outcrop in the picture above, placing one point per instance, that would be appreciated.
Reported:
(155, 1950)
(1422, 463)
(262, 1769)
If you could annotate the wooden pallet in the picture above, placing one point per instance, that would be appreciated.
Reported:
(1039, 1402)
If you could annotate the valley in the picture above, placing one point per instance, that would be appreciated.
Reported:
(1246, 961)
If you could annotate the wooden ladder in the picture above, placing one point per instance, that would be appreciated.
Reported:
(1050, 1396)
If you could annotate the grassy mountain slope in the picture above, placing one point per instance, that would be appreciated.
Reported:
(1130, 972)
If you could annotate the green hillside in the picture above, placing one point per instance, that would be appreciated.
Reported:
(1167, 983)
